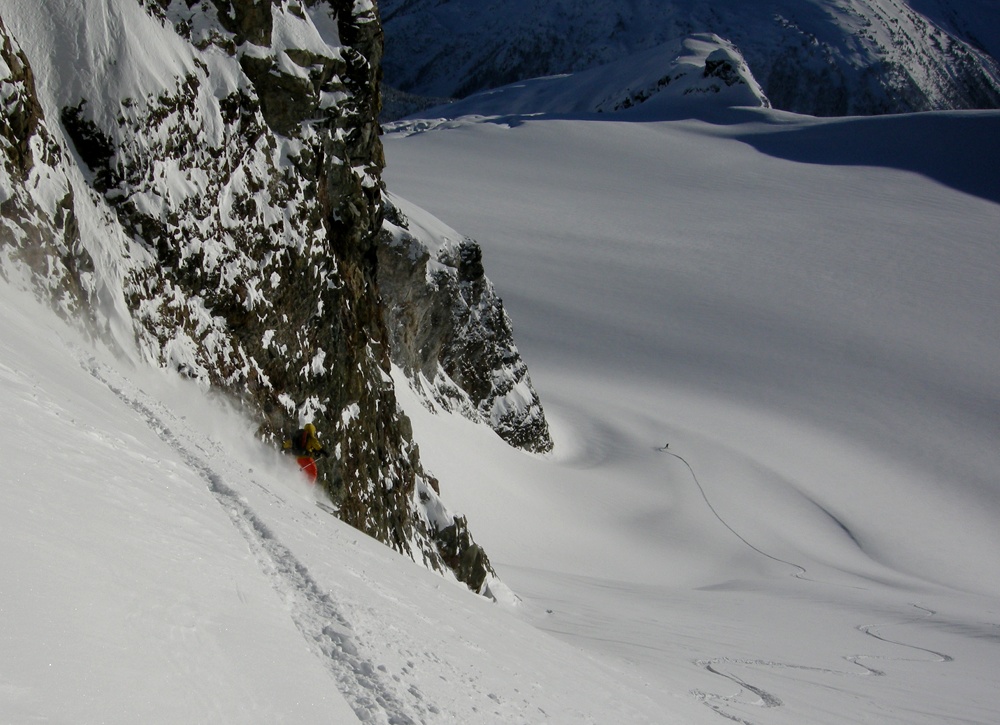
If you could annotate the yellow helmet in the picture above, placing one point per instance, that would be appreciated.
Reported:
(310, 429)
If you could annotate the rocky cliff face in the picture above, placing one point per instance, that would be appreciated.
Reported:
(39, 237)
(448, 330)
(229, 164)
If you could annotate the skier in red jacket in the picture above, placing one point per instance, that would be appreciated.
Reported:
(305, 446)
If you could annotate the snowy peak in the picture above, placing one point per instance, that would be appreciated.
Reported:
(707, 70)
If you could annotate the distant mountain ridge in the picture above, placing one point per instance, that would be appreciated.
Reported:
(699, 76)
(818, 57)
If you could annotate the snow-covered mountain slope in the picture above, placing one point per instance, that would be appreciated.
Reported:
(805, 310)
(975, 21)
(816, 341)
(201, 182)
(698, 76)
(810, 56)
(161, 566)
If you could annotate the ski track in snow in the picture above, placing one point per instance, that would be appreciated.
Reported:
(801, 571)
(315, 614)
(762, 698)
(872, 631)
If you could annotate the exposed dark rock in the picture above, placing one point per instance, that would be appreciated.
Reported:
(96, 150)
(22, 113)
(449, 332)
(721, 66)
(249, 20)
(39, 237)
(254, 210)
(465, 557)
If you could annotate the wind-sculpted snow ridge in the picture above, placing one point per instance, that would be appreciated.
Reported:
(820, 57)
(202, 180)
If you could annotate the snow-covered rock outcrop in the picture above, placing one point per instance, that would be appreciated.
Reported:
(707, 69)
(202, 179)
(449, 331)
(40, 241)
(820, 57)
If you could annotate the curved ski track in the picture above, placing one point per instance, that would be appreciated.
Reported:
(762, 698)
(327, 633)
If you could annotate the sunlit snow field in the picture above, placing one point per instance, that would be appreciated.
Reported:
(808, 313)
(805, 311)
(769, 350)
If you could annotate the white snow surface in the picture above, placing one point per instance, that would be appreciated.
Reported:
(805, 310)
(162, 567)
(817, 342)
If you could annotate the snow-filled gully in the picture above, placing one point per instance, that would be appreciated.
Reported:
(326, 631)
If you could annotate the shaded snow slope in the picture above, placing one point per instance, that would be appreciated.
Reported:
(692, 77)
(806, 311)
(822, 57)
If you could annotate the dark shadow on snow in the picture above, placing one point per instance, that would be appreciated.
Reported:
(960, 149)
